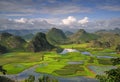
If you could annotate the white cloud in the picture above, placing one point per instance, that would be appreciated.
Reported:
(41, 23)
(69, 20)
(21, 20)
(83, 21)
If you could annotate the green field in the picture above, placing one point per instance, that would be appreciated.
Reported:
(57, 64)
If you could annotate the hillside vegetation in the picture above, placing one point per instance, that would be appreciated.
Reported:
(82, 36)
(56, 36)
(39, 43)
(11, 42)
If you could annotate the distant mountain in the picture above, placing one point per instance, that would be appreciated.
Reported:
(39, 43)
(11, 42)
(68, 33)
(115, 31)
(28, 37)
(56, 36)
(23, 32)
(83, 36)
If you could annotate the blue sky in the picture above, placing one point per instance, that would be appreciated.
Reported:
(57, 10)
(95, 9)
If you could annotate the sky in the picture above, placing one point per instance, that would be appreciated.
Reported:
(36, 14)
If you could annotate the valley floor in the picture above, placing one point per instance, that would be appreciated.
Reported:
(87, 62)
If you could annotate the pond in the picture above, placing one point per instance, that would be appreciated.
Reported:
(31, 71)
(106, 57)
(67, 50)
(86, 53)
(76, 62)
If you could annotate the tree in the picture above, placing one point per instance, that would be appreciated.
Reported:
(115, 61)
(42, 57)
(2, 70)
(47, 79)
(5, 79)
(112, 75)
(3, 49)
(101, 78)
(118, 48)
(31, 78)
(106, 45)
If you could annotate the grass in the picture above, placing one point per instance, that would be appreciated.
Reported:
(70, 69)
(104, 61)
(55, 63)
(15, 68)
(18, 61)
(75, 46)
(20, 57)
(49, 68)
(91, 60)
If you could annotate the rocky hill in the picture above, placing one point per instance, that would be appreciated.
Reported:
(56, 36)
(11, 42)
(83, 36)
(39, 43)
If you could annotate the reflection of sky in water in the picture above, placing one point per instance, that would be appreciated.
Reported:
(105, 57)
(75, 62)
(68, 50)
(86, 53)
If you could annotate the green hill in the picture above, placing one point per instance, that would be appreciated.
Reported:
(28, 37)
(12, 42)
(56, 36)
(83, 36)
(113, 39)
(39, 43)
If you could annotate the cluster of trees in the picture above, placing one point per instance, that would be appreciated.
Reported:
(5, 79)
(3, 70)
(44, 78)
(3, 49)
(118, 48)
(112, 75)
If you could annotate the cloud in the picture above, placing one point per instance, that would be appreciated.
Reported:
(83, 21)
(21, 20)
(24, 23)
(65, 9)
(69, 20)
(41, 23)
(111, 8)
(52, 7)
